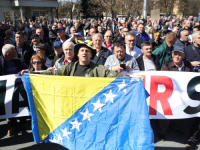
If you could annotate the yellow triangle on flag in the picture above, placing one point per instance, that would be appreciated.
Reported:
(57, 98)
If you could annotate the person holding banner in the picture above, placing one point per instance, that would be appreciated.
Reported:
(9, 64)
(177, 63)
(37, 62)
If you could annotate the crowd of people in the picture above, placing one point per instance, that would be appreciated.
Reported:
(102, 48)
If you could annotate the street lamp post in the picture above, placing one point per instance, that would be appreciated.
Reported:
(145, 8)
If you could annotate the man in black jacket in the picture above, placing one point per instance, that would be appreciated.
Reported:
(9, 64)
(24, 51)
(102, 53)
(147, 61)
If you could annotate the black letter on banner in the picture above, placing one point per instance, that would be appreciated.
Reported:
(19, 89)
(194, 95)
(2, 96)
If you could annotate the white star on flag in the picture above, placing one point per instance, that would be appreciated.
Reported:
(133, 79)
(59, 137)
(122, 86)
(54, 140)
(86, 115)
(109, 96)
(65, 133)
(75, 124)
(98, 105)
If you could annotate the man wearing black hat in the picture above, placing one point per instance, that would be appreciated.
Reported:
(41, 48)
(62, 37)
(35, 40)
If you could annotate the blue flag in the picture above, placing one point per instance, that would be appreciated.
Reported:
(199, 17)
(115, 118)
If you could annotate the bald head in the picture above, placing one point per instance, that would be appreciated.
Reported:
(108, 36)
(68, 44)
(68, 49)
(97, 35)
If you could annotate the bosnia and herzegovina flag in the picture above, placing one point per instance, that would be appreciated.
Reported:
(73, 8)
(83, 113)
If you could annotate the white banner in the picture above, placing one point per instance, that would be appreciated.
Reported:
(173, 95)
(13, 97)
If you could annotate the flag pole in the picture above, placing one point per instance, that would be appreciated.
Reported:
(71, 9)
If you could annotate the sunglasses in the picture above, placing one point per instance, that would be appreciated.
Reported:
(37, 62)
(108, 36)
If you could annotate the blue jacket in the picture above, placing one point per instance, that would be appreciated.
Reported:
(145, 36)
(19, 64)
(140, 38)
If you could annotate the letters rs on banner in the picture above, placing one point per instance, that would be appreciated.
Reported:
(173, 95)
(13, 97)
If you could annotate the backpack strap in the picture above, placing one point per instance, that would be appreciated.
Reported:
(195, 51)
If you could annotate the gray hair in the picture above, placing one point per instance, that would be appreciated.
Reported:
(194, 34)
(97, 35)
(67, 42)
(129, 34)
(7, 48)
(183, 32)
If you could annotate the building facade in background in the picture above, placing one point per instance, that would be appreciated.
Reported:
(23, 10)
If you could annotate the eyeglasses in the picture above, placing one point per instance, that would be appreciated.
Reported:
(36, 62)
